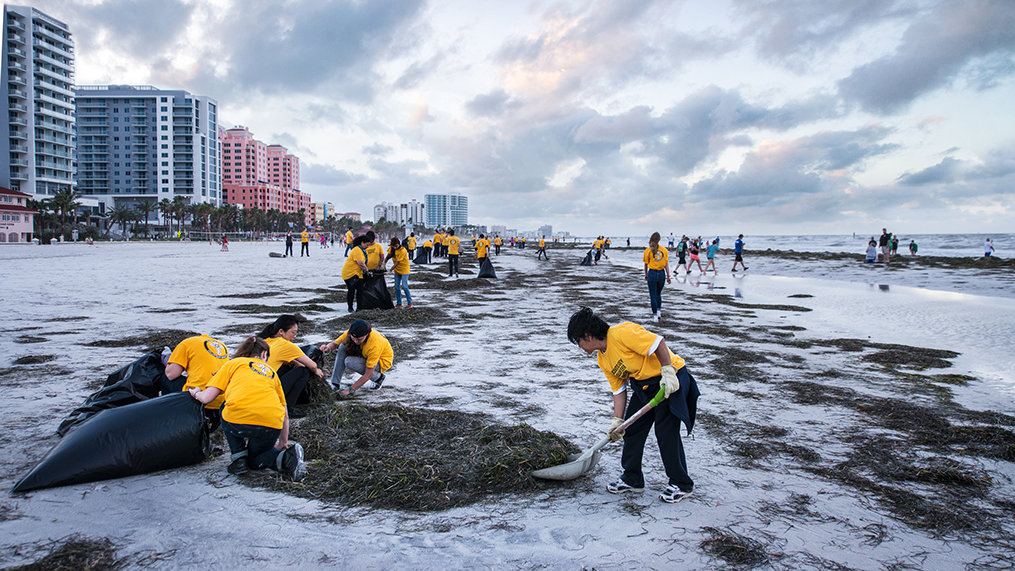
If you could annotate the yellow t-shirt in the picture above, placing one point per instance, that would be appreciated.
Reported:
(481, 247)
(376, 349)
(351, 268)
(201, 356)
(453, 243)
(410, 242)
(542, 243)
(657, 261)
(348, 237)
(428, 244)
(282, 351)
(375, 255)
(437, 239)
(304, 237)
(401, 258)
(497, 241)
(597, 244)
(629, 355)
(252, 393)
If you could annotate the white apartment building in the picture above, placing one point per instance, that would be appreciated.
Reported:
(411, 212)
(444, 210)
(140, 143)
(37, 71)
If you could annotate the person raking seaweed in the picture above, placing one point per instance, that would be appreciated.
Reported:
(634, 358)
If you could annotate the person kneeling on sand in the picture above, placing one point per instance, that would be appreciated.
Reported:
(289, 361)
(255, 418)
(633, 358)
(361, 350)
(200, 356)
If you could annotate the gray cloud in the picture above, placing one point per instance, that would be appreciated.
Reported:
(378, 149)
(934, 50)
(492, 104)
(418, 71)
(142, 28)
(944, 171)
(327, 175)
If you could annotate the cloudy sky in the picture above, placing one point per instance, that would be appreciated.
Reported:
(614, 117)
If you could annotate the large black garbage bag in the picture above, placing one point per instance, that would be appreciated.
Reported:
(374, 294)
(423, 256)
(588, 259)
(136, 382)
(159, 433)
(486, 269)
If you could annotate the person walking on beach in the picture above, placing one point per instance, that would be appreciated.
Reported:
(255, 414)
(354, 270)
(912, 247)
(681, 256)
(452, 245)
(635, 359)
(988, 248)
(400, 267)
(895, 244)
(693, 251)
(669, 240)
(304, 243)
(482, 249)
(885, 243)
(710, 254)
(497, 243)
(410, 245)
(657, 269)
(348, 241)
(360, 350)
(542, 249)
(738, 252)
(289, 244)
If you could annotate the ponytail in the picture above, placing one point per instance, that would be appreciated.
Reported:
(252, 347)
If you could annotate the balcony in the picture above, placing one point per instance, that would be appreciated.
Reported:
(59, 62)
(18, 122)
(19, 135)
(17, 25)
(19, 162)
(64, 50)
(53, 153)
(16, 38)
(19, 148)
(19, 93)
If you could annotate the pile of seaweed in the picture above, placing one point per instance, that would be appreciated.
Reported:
(415, 459)
(77, 554)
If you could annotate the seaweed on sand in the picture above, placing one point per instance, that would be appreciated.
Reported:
(77, 554)
(416, 459)
(34, 359)
(151, 341)
(734, 549)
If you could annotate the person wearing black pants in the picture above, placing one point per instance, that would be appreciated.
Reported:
(289, 362)
(452, 246)
(634, 358)
(354, 270)
(289, 243)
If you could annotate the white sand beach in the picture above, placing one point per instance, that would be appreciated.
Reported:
(805, 404)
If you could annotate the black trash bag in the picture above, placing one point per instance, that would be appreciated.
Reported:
(374, 294)
(588, 259)
(138, 381)
(486, 269)
(160, 433)
(423, 256)
(275, 255)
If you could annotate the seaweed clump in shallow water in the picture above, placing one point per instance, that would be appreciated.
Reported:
(416, 459)
(734, 549)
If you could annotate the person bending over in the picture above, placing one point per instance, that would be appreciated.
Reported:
(361, 350)
(200, 357)
(638, 360)
(255, 417)
(287, 360)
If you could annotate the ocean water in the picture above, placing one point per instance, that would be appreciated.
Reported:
(965, 245)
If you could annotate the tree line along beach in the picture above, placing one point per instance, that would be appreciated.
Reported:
(850, 416)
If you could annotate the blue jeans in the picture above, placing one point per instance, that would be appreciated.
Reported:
(402, 282)
(656, 279)
(256, 443)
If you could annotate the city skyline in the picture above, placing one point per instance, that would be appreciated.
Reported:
(615, 118)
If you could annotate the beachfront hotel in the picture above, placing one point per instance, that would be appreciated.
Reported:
(139, 144)
(15, 217)
(38, 72)
(444, 210)
(257, 175)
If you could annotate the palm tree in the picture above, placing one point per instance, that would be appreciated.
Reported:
(166, 209)
(179, 211)
(146, 206)
(122, 215)
(64, 201)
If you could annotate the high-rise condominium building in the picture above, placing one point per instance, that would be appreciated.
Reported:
(256, 175)
(405, 213)
(37, 72)
(450, 209)
(143, 144)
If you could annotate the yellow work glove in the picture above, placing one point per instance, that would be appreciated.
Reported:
(615, 436)
(669, 382)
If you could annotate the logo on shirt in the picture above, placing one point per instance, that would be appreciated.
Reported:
(262, 369)
(218, 350)
(620, 370)
(658, 255)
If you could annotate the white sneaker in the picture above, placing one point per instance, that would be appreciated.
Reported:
(655, 316)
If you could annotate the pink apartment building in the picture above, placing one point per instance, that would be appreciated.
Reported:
(15, 216)
(255, 175)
